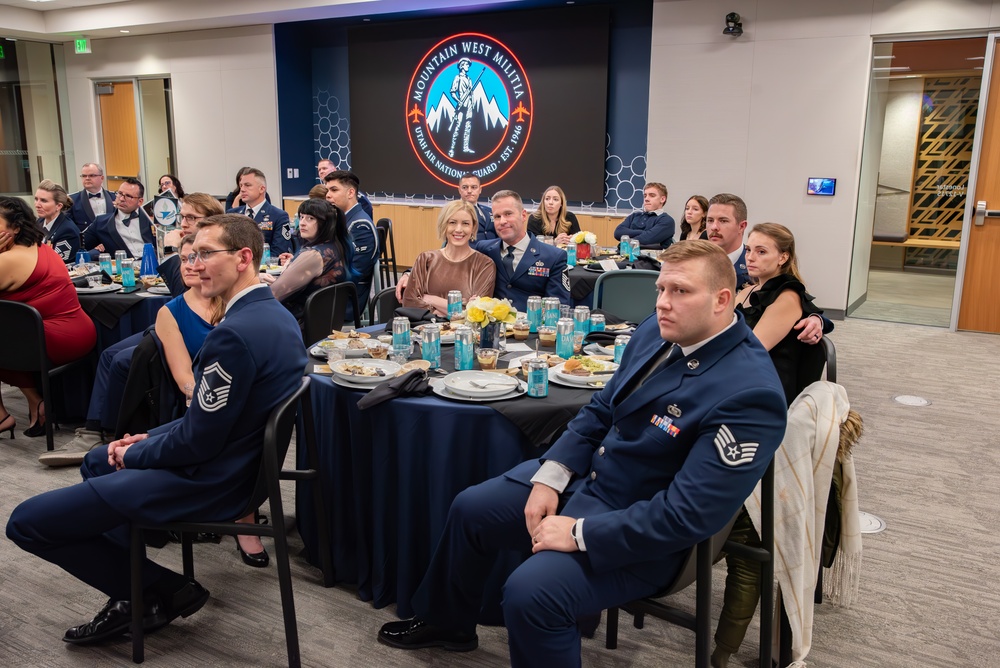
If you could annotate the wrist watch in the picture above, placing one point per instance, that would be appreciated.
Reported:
(169, 250)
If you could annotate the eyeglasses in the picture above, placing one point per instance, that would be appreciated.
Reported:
(191, 219)
(90, 176)
(125, 196)
(202, 255)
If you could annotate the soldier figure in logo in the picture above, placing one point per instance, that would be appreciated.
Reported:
(461, 90)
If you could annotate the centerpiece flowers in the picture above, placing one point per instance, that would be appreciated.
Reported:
(486, 314)
(585, 242)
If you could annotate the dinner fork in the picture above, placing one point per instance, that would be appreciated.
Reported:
(483, 386)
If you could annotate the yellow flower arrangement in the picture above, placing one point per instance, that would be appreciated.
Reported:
(487, 310)
(584, 237)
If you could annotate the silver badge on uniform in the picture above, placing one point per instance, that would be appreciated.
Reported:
(674, 410)
(693, 364)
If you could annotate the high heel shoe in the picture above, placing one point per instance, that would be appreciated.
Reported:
(7, 424)
(257, 560)
(37, 428)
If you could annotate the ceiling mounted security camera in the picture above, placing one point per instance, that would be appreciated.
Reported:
(733, 26)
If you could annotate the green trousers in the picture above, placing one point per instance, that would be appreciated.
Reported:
(742, 588)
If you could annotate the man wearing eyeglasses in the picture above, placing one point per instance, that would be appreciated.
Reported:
(94, 200)
(202, 467)
(126, 227)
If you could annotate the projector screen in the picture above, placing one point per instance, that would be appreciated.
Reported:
(518, 98)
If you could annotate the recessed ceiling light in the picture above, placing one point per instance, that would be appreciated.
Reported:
(39, 0)
(124, 31)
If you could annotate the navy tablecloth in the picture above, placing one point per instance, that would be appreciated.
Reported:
(389, 476)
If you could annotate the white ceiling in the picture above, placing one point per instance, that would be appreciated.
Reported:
(64, 20)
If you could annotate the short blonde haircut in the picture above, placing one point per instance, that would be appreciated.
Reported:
(720, 271)
(58, 193)
(448, 212)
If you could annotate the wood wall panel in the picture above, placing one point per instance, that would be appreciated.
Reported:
(118, 127)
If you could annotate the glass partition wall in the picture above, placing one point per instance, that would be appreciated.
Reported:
(919, 137)
(31, 129)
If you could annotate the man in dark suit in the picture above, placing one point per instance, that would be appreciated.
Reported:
(725, 223)
(652, 227)
(469, 189)
(93, 201)
(525, 267)
(201, 467)
(126, 227)
(659, 460)
(272, 221)
(342, 191)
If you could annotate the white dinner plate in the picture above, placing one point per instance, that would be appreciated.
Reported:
(158, 290)
(353, 386)
(563, 378)
(114, 287)
(388, 367)
(497, 384)
(439, 388)
(350, 353)
(598, 349)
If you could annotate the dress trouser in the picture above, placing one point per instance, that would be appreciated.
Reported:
(75, 529)
(542, 599)
(742, 588)
(112, 357)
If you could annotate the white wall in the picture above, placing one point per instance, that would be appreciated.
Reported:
(758, 114)
(224, 100)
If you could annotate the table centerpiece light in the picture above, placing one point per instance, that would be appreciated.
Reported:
(586, 243)
(486, 314)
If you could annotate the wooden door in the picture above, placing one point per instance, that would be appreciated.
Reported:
(119, 134)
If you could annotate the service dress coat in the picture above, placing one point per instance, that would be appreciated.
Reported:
(63, 237)
(274, 225)
(541, 272)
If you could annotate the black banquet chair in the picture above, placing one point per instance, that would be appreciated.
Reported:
(384, 306)
(277, 436)
(387, 252)
(326, 309)
(22, 348)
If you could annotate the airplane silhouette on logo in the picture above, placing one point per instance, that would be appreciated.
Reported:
(520, 111)
(416, 113)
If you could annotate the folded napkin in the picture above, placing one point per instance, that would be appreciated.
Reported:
(80, 282)
(644, 262)
(416, 315)
(410, 384)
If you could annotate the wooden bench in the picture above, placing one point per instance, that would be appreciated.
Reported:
(917, 242)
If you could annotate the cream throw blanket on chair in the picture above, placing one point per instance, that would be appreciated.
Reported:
(803, 473)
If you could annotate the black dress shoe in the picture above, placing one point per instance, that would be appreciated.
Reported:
(184, 602)
(257, 559)
(416, 634)
(111, 622)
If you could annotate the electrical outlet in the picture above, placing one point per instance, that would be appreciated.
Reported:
(296, 170)
(289, 172)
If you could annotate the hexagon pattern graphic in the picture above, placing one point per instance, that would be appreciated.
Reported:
(623, 177)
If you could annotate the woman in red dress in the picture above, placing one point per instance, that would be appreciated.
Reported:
(33, 274)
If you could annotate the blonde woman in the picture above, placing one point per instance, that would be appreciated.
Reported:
(455, 266)
(61, 233)
(552, 219)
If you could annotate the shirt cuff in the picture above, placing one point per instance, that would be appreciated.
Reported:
(554, 475)
(578, 535)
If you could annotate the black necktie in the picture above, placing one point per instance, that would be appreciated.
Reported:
(128, 219)
(662, 361)
(508, 261)
(250, 212)
(95, 195)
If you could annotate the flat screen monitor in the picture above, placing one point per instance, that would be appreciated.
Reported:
(821, 186)
(517, 98)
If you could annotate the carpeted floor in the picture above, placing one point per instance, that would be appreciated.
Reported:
(929, 587)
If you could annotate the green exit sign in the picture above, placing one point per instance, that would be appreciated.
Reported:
(83, 45)
(2, 54)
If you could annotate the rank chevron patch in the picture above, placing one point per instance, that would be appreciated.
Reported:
(731, 451)
(213, 392)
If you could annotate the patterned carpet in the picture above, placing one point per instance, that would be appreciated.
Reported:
(929, 589)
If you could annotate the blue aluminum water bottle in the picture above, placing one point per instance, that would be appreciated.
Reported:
(265, 258)
(597, 322)
(550, 311)
(454, 303)
(538, 378)
(534, 313)
(128, 273)
(571, 254)
(464, 354)
(624, 246)
(430, 345)
(401, 336)
(581, 320)
(564, 338)
(620, 343)
(105, 260)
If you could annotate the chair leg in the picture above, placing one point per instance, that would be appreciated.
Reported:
(611, 636)
(187, 553)
(703, 605)
(137, 554)
(285, 586)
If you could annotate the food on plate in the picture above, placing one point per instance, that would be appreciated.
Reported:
(617, 327)
(414, 364)
(356, 344)
(584, 366)
(353, 334)
(355, 369)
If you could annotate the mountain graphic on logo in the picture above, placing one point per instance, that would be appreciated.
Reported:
(440, 116)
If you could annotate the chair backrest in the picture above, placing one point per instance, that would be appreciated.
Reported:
(277, 437)
(628, 294)
(387, 249)
(326, 309)
(688, 572)
(384, 306)
(830, 351)
(22, 338)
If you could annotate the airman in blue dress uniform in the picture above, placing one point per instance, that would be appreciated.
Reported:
(202, 467)
(659, 460)
(272, 221)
